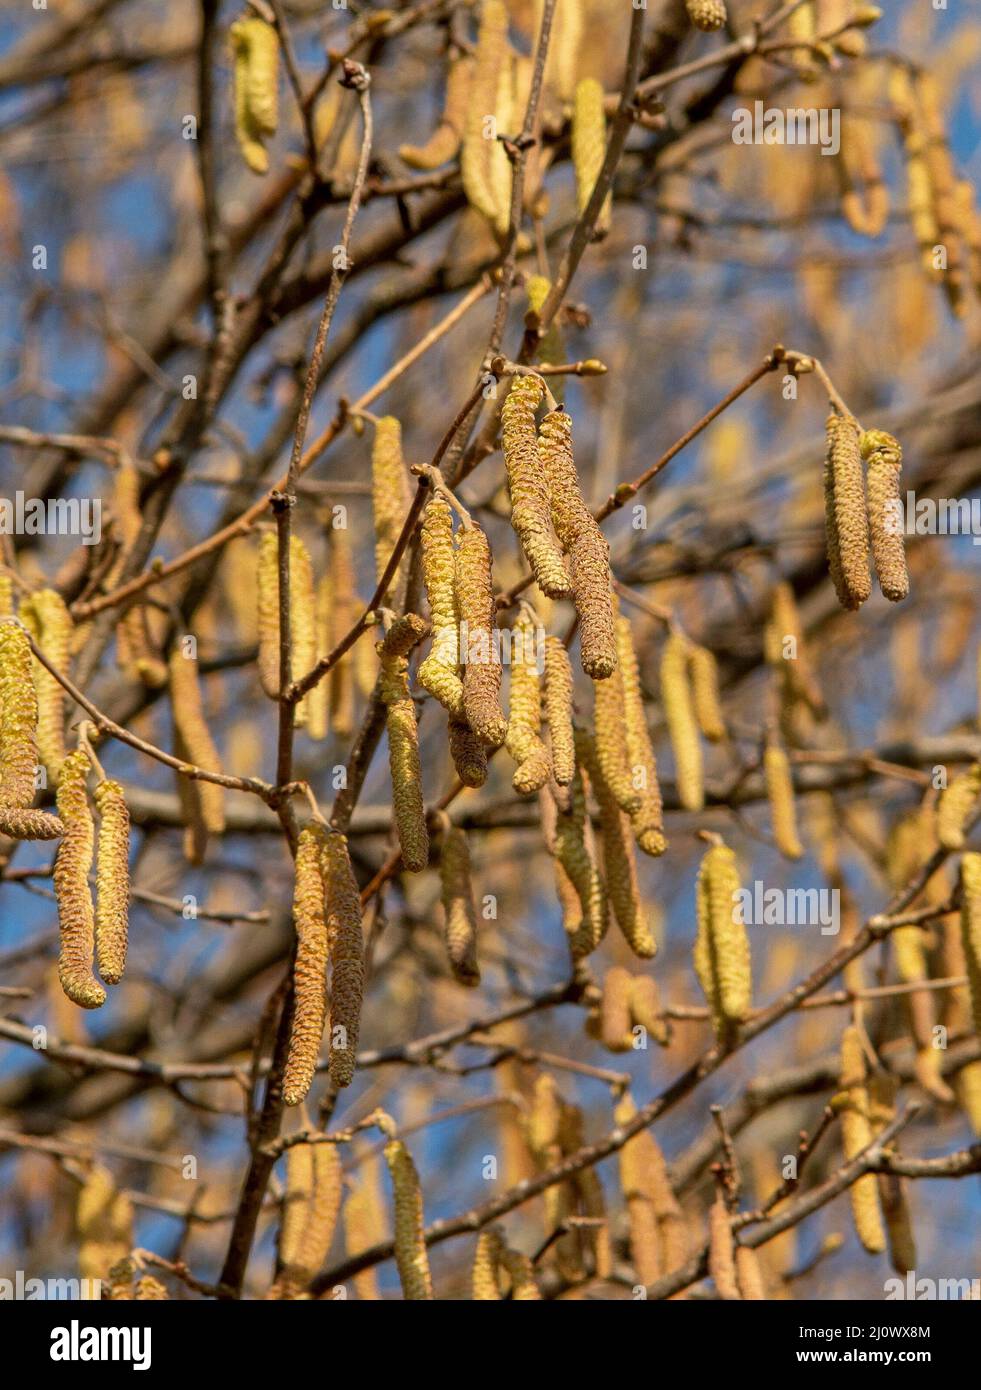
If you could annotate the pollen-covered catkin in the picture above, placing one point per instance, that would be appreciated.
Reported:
(619, 861)
(780, 792)
(612, 750)
(481, 657)
(534, 762)
(310, 967)
(884, 460)
(439, 672)
(444, 142)
(390, 497)
(679, 712)
(303, 620)
(706, 15)
(104, 1222)
(971, 930)
(856, 1133)
(705, 692)
(587, 547)
(647, 819)
(403, 757)
(847, 519)
(722, 961)
(255, 47)
(459, 910)
(267, 583)
(576, 861)
(883, 1089)
(749, 1275)
(364, 1223)
(589, 147)
(957, 802)
(468, 753)
(76, 915)
(645, 1008)
(486, 1259)
(615, 1010)
(346, 948)
(528, 486)
(195, 736)
(18, 718)
(481, 152)
(22, 823)
(558, 710)
(311, 1203)
(53, 624)
(410, 1245)
(112, 881)
(722, 1252)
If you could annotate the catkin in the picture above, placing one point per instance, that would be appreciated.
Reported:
(21, 823)
(589, 147)
(403, 758)
(534, 762)
(364, 1223)
(195, 738)
(410, 1245)
(847, 523)
(955, 807)
(104, 1222)
(112, 881)
(971, 930)
(267, 582)
(346, 949)
(529, 486)
(704, 675)
(468, 753)
(76, 916)
(722, 1252)
(706, 15)
(390, 497)
(619, 861)
(303, 621)
(255, 48)
(53, 625)
(310, 967)
(647, 819)
(645, 1008)
(856, 1133)
(612, 749)
(577, 867)
(883, 1089)
(480, 654)
(749, 1275)
(884, 460)
(679, 712)
(558, 710)
(722, 960)
(439, 673)
(486, 1259)
(783, 643)
(311, 1203)
(445, 140)
(460, 913)
(587, 547)
(480, 154)
(780, 792)
(615, 1010)
(18, 718)
(635, 1180)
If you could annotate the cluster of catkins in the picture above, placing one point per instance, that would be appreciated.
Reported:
(863, 510)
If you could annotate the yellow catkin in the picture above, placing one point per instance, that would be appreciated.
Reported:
(364, 1223)
(679, 712)
(76, 915)
(749, 1275)
(390, 497)
(612, 750)
(706, 15)
(303, 620)
(459, 910)
(480, 653)
(195, 737)
(439, 673)
(318, 700)
(846, 516)
(589, 146)
(8, 603)
(636, 1169)
(483, 1278)
(346, 947)
(21, 823)
(112, 881)
(18, 718)
(955, 807)
(255, 48)
(345, 610)
(53, 624)
(785, 653)
(587, 547)
(884, 460)
(576, 866)
(722, 960)
(550, 347)
(619, 861)
(267, 583)
(645, 1008)
(647, 819)
(310, 968)
(864, 194)
(529, 487)
(410, 1247)
(971, 930)
(780, 793)
(481, 152)
(311, 1203)
(615, 1010)
(328, 1186)
(445, 140)
(722, 1252)
(883, 1089)
(534, 762)
(704, 675)
(403, 753)
(856, 1133)
(297, 1197)
(558, 710)
(104, 1222)
(468, 753)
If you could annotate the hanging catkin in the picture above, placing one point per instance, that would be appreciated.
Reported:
(679, 712)
(722, 961)
(364, 1222)
(410, 1245)
(267, 583)
(459, 910)
(468, 753)
(587, 547)
(612, 749)
(749, 1275)
(310, 968)
(18, 718)
(971, 930)
(481, 152)
(856, 1133)
(589, 147)
(76, 916)
(188, 712)
(444, 142)
(403, 742)
(615, 1010)
(647, 819)
(311, 1203)
(483, 1278)
(346, 948)
(785, 652)
(480, 654)
(576, 861)
(722, 1252)
(955, 807)
(21, 823)
(534, 762)
(884, 460)
(439, 673)
(883, 1089)
(780, 793)
(47, 613)
(847, 521)
(303, 620)
(528, 485)
(558, 710)
(390, 499)
(255, 48)
(112, 881)
(706, 15)
(635, 1179)
(704, 675)
(104, 1221)
(645, 1008)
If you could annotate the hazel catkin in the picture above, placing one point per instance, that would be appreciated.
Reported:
(76, 915)
(970, 874)
(679, 712)
(346, 949)
(468, 753)
(486, 180)
(18, 718)
(722, 960)
(884, 460)
(439, 672)
(619, 861)
(846, 516)
(459, 911)
(780, 792)
(856, 1132)
(534, 762)
(390, 498)
(558, 710)
(722, 1252)
(112, 881)
(529, 486)
(267, 585)
(576, 866)
(403, 756)
(480, 655)
(194, 737)
(647, 819)
(957, 802)
(589, 147)
(410, 1246)
(706, 15)
(310, 966)
(615, 1010)
(47, 612)
(255, 49)
(704, 675)
(445, 140)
